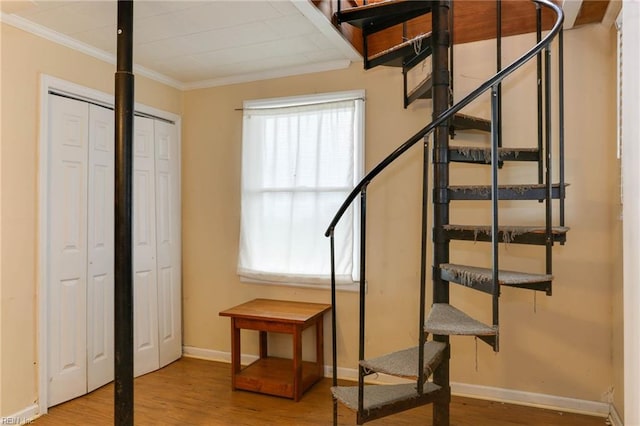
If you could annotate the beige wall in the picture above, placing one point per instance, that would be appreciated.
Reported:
(617, 280)
(24, 59)
(559, 345)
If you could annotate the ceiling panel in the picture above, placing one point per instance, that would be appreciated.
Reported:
(194, 41)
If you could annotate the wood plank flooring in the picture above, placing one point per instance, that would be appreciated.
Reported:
(197, 392)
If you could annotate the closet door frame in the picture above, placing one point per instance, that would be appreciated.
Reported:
(53, 84)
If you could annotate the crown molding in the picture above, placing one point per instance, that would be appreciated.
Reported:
(64, 40)
(270, 74)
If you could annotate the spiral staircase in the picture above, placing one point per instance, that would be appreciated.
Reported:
(427, 363)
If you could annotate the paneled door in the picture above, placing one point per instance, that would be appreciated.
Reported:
(100, 242)
(145, 287)
(67, 289)
(168, 241)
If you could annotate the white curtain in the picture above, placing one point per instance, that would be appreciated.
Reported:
(298, 165)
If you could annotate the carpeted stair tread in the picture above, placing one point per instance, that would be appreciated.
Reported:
(507, 234)
(445, 319)
(483, 154)
(505, 192)
(468, 122)
(468, 275)
(378, 396)
(404, 363)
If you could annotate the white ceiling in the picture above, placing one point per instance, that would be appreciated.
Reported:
(191, 44)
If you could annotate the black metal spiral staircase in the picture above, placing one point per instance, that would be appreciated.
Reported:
(431, 357)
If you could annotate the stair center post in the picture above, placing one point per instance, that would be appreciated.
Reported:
(440, 78)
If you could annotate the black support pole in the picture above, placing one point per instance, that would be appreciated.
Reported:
(123, 286)
(441, 78)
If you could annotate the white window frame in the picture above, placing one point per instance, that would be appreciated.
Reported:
(357, 95)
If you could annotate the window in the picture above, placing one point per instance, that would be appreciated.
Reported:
(300, 158)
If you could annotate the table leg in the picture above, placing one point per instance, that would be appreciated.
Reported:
(235, 352)
(264, 351)
(320, 347)
(297, 363)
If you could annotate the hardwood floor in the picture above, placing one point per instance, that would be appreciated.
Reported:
(197, 392)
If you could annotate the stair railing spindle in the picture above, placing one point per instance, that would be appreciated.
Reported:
(363, 258)
(451, 45)
(539, 89)
(423, 263)
(561, 120)
(548, 156)
(498, 68)
(494, 203)
(334, 334)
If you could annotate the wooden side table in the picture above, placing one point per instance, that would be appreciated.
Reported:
(270, 375)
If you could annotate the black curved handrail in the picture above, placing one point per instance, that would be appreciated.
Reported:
(498, 77)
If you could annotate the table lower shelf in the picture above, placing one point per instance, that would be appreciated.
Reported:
(274, 376)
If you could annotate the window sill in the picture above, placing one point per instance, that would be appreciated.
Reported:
(347, 287)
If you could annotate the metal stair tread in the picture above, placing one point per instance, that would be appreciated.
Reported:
(422, 90)
(395, 55)
(512, 230)
(513, 185)
(466, 275)
(384, 13)
(483, 154)
(378, 396)
(404, 363)
(444, 319)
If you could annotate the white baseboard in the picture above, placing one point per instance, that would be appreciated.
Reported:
(539, 400)
(211, 355)
(614, 417)
(22, 417)
(572, 405)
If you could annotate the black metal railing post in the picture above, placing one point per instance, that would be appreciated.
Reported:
(334, 324)
(451, 46)
(539, 94)
(495, 102)
(548, 163)
(363, 288)
(561, 121)
(123, 261)
(423, 263)
(498, 69)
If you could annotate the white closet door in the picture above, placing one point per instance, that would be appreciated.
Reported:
(168, 241)
(100, 248)
(67, 286)
(145, 290)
